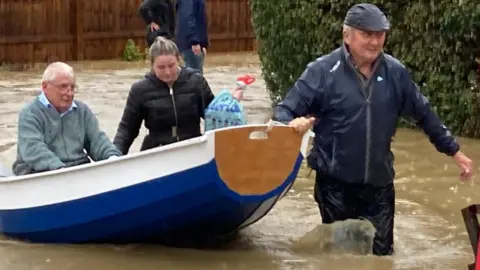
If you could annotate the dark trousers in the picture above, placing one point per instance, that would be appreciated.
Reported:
(192, 60)
(340, 201)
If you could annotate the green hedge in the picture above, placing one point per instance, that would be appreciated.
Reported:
(438, 42)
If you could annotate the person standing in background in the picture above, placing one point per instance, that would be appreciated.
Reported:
(160, 18)
(191, 35)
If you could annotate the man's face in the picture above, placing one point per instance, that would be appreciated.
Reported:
(60, 92)
(364, 45)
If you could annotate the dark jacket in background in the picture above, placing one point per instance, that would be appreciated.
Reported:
(191, 22)
(161, 12)
(164, 111)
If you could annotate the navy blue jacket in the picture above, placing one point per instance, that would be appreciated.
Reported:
(191, 22)
(355, 124)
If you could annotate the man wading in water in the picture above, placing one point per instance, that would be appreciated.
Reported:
(357, 94)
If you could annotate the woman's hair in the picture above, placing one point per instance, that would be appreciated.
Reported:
(162, 46)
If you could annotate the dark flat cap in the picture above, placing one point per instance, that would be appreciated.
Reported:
(367, 17)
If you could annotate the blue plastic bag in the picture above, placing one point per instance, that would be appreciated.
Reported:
(224, 111)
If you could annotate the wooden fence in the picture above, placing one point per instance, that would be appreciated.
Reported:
(71, 30)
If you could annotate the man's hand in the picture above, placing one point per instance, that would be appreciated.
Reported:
(154, 26)
(196, 49)
(302, 124)
(465, 164)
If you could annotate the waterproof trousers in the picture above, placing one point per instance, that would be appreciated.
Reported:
(339, 200)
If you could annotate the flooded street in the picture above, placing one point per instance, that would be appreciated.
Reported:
(429, 229)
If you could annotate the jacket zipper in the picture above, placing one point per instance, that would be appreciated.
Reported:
(175, 128)
(368, 120)
(368, 130)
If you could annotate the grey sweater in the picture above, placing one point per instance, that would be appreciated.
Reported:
(47, 141)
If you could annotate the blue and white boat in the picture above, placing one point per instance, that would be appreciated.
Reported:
(203, 188)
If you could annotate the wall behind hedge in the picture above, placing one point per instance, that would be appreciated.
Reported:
(438, 42)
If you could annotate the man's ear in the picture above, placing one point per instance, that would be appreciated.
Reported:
(44, 87)
(346, 36)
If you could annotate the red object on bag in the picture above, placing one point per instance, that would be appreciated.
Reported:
(245, 80)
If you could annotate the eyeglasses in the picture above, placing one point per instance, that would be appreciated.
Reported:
(64, 87)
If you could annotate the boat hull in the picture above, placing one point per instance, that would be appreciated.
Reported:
(187, 208)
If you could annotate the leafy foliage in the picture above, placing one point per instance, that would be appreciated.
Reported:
(132, 52)
(436, 40)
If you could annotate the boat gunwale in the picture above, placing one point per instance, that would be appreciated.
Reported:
(174, 146)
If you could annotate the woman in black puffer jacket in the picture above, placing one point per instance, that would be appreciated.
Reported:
(171, 99)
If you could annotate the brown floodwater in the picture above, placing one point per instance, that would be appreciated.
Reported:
(429, 229)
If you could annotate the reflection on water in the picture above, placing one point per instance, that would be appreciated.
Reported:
(429, 231)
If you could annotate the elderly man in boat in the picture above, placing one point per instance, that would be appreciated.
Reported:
(54, 130)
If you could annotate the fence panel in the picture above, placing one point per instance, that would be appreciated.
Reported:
(48, 30)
